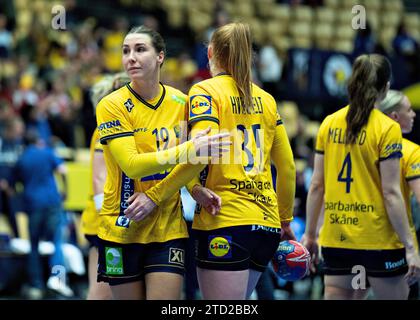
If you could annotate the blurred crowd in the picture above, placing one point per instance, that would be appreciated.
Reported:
(46, 74)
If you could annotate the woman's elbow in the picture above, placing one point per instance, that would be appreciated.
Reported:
(289, 168)
(391, 191)
(292, 167)
(133, 173)
(129, 170)
(317, 186)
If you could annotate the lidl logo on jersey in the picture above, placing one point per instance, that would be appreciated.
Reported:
(200, 104)
(176, 256)
(129, 105)
(220, 247)
(113, 260)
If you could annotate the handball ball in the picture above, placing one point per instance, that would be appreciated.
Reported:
(291, 261)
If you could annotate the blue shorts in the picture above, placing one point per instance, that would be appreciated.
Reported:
(123, 263)
(236, 248)
(378, 263)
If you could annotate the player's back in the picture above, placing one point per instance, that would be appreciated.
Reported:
(355, 214)
(243, 179)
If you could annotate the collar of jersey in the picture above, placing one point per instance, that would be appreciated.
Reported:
(154, 107)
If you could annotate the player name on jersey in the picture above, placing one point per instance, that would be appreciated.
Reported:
(338, 135)
(237, 106)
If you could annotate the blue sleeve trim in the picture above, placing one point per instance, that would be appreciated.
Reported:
(412, 178)
(393, 155)
(117, 135)
(203, 118)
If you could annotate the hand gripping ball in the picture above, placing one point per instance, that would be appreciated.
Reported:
(291, 261)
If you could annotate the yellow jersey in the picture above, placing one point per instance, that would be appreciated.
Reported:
(155, 125)
(243, 179)
(410, 170)
(355, 215)
(90, 218)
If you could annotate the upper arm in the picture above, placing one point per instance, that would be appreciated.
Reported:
(318, 173)
(389, 158)
(112, 121)
(122, 150)
(320, 137)
(281, 151)
(98, 160)
(98, 164)
(390, 174)
(98, 172)
(202, 125)
(412, 173)
(116, 130)
(203, 110)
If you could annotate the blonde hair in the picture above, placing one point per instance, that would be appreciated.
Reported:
(391, 102)
(106, 85)
(232, 51)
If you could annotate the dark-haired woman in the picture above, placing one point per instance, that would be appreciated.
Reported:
(140, 126)
(365, 238)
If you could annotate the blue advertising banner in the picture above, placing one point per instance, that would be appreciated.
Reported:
(323, 75)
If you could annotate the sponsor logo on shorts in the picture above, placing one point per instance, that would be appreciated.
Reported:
(394, 265)
(113, 260)
(176, 256)
(220, 246)
(256, 227)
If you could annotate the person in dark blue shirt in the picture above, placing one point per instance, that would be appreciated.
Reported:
(43, 203)
(407, 50)
(365, 41)
(36, 119)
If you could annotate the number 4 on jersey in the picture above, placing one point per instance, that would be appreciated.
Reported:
(345, 173)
